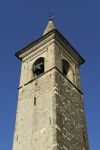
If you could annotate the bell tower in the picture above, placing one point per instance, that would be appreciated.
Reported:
(50, 112)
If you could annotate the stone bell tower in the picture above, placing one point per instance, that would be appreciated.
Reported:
(50, 111)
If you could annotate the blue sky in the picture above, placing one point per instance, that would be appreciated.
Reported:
(23, 21)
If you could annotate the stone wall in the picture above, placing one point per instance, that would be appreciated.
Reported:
(70, 120)
(34, 121)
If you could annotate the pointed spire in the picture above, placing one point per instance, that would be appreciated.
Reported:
(50, 25)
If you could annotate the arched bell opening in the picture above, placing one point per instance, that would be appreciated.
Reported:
(38, 66)
(65, 67)
(67, 70)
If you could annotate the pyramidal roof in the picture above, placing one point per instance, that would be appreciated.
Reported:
(49, 27)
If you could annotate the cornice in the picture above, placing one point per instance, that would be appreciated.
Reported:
(56, 35)
(35, 44)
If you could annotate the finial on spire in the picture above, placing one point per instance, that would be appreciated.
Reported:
(50, 25)
(51, 17)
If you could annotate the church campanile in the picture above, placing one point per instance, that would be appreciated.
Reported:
(50, 112)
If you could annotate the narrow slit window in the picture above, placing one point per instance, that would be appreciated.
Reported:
(34, 100)
(17, 138)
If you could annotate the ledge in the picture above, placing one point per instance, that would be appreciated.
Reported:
(46, 73)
